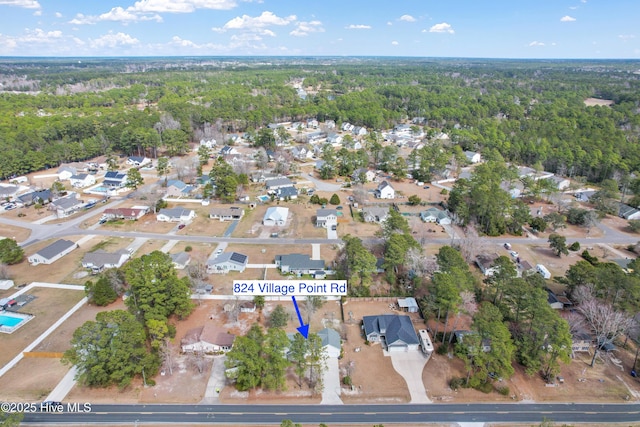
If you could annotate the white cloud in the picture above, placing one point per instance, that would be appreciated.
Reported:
(58, 15)
(27, 4)
(112, 40)
(536, 43)
(358, 27)
(395, 43)
(180, 6)
(407, 18)
(37, 12)
(305, 28)
(117, 14)
(389, 23)
(626, 37)
(442, 27)
(567, 18)
(257, 24)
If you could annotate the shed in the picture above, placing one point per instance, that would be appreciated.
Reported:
(408, 304)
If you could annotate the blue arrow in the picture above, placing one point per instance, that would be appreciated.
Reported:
(304, 329)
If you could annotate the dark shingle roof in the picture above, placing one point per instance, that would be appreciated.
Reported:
(55, 248)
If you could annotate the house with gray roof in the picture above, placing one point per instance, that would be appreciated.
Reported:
(66, 206)
(435, 215)
(486, 263)
(409, 304)
(115, 179)
(232, 213)
(286, 193)
(177, 188)
(8, 191)
(395, 332)
(175, 215)
(53, 252)
(226, 262)
(180, 260)
(375, 214)
(275, 215)
(331, 343)
(385, 191)
(82, 180)
(628, 212)
(38, 196)
(65, 172)
(101, 260)
(298, 264)
(279, 182)
(326, 217)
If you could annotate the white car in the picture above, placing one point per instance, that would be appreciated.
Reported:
(218, 252)
(514, 254)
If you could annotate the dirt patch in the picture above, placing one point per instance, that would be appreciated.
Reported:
(32, 379)
(590, 102)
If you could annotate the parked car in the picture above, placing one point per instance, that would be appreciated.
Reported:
(514, 254)
(102, 221)
(181, 226)
(426, 187)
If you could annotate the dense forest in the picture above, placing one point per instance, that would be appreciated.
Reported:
(529, 112)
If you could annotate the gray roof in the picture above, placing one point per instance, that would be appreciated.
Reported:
(286, 191)
(180, 258)
(81, 176)
(396, 329)
(67, 202)
(407, 302)
(300, 262)
(8, 189)
(326, 212)
(56, 248)
(100, 257)
(231, 211)
(233, 257)
(329, 337)
(174, 212)
(279, 182)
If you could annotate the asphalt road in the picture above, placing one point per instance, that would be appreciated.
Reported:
(343, 414)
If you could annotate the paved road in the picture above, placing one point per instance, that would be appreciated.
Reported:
(343, 414)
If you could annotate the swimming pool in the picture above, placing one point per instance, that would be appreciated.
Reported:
(9, 322)
(100, 189)
(264, 198)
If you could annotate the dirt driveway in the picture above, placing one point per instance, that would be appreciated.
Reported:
(410, 365)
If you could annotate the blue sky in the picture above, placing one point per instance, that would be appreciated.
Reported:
(431, 28)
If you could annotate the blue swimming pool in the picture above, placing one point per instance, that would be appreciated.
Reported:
(100, 189)
(10, 320)
(264, 198)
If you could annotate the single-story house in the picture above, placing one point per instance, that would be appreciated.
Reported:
(100, 260)
(397, 332)
(375, 214)
(38, 196)
(115, 179)
(385, 191)
(286, 193)
(557, 302)
(66, 206)
(559, 182)
(180, 260)
(207, 339)
(628, 212)
(82, 180)
(226, 262)
(66, 172)
(248, 307)
(177, 188)
(485, 263)
(275, 216)
(138, 160)
(581, 342)
(298, 264)
(228, 150)
(53, 252)
(175, 215)
(408, 304)
(334, 139)
(584, 196)
(459, 338)
(279, 182)
(131, 214)
(331, 343)
(473, 157)
(326, 217)
(232, 213)
(435, 215)
(8, 191)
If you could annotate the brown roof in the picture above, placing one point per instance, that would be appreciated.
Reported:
(217, 336)
(192, 336)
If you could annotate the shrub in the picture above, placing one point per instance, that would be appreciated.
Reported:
(443, 349)
(335, 199)
(444, 192)
(504, 390)
(456, 383)
(485, 387)
(589, 258)
(188, 249)
(347, 380)
(575, 246)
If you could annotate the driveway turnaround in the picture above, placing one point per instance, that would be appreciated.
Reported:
(410, 365)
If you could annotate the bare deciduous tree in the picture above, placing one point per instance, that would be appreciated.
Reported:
(421, 264)
(604, 321)
(471, 244)
(4, 272)
(576, 322)
(197, 361)
(167, 352)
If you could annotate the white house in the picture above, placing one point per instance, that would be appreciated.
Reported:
(175, 215)
(473, 157)
(66, 206)
(232, 213)
(82, 180)
(435, 215)
(180, 260)
(275, 216)
(66, 172)
(209, 143)
(278, 182)
(115, 179)
(138, 160)
(207, 339)
(226, 262)
(375, 214)
(485, 263)
(326, 218)
(331, 343)
(101, 260)
(368, 175)
(53, 252)
(385, 191)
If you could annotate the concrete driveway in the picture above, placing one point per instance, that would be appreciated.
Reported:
(331, 392)
(410, 365)
(332, 234)
(216, 382)
(321, 185)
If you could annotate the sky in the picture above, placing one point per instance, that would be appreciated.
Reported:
(597, 29)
